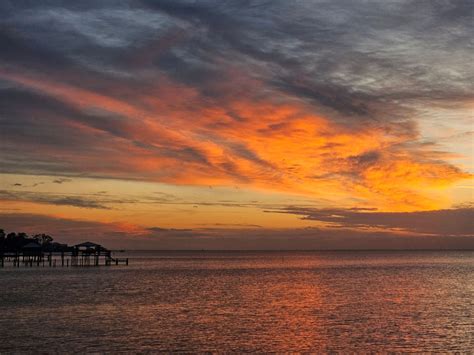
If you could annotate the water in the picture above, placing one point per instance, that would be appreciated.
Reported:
(244, 301)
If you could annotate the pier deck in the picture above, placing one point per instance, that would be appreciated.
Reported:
(82, 255)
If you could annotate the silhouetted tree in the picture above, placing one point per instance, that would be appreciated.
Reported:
(15, 241)
(2, 239)
(43, 239)
(22, 235)
(10, 241)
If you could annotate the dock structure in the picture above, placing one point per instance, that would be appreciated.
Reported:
(81, 255)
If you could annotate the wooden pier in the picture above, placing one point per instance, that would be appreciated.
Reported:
(82, 255)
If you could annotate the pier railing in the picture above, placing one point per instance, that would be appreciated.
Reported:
(74, 258)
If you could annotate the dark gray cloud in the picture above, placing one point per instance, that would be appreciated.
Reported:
(357, 62)
(73, 231)
(103, 200)
(52, 199)
(61, 181)
(33, 127)
(230, 225)
(352, 57)
(91, 200)
(457, 221)
(368, 158)
(348, 56)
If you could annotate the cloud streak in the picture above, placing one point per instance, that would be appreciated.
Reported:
(449, 222)
(116, 235)
(316, 97)
(51, 199)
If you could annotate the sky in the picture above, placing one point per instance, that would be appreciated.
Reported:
(250, 124)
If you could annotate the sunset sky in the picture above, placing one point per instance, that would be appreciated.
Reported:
(197, 124)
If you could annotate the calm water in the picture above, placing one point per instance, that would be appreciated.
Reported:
(244, 301)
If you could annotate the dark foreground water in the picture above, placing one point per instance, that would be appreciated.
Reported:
(291, 301)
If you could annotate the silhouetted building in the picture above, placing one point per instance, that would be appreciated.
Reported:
(32, 249)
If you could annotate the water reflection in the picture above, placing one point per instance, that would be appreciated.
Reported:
(245, 302)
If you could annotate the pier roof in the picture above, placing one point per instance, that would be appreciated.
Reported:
(31, 245)
(88, 245)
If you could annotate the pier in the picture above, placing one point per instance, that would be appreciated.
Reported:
(86, 254)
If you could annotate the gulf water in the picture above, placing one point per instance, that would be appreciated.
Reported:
(364, 301)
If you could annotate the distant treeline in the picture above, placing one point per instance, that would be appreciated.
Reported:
(13, 242)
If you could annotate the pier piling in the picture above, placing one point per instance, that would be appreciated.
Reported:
(82, 255)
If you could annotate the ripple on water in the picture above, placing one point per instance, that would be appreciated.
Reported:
(326, 301)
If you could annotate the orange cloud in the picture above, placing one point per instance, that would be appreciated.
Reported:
(173, 133)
